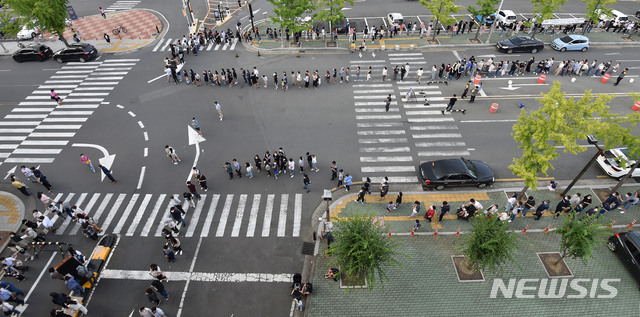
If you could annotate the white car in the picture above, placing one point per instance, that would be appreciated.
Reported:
(395, 19)
(616, 163)
(27, 33)
(616, 16)
(506, 16)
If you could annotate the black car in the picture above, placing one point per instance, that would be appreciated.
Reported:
(455, 172)
(520, 44)
(80, 52)
(341, 26)
(627, 246)
(34, 52)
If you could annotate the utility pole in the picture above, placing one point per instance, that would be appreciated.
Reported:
(494, 23)
(253, 27)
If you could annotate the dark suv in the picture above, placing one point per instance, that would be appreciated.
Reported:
(627, 246)
(80, 52)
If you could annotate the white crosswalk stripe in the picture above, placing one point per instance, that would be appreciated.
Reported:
(82, 86)
(138, 214)
(407, 115)
(164, 45)
(122, 5)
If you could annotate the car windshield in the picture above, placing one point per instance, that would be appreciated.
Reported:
(472, 168)
(566, 39)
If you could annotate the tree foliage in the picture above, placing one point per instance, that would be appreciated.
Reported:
(544, 10)
(578, 237)
(46, 14)
(595, 8)
(441, 11)
(289, 13)
(485, 9)
(562, 121)
(330, 10)
(363, 251)
(9, 24)
(489, 245)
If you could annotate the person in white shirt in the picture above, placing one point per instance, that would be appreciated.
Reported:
(384, 73)
(47, 223)
(419, 73)
(76, 307)
(157, 312)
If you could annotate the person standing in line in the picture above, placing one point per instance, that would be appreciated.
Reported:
(267, 167)
(85, 159)
(107, 173)
(314, 163)
(347, 181)
(387, 103)
(219, 110)
(452, 101)
(306, 181)
(177, 203)
(102, 13)
(192, 190)
(334, 170)
(169, 254)
(227, 167)
(275, 169)
(301, 165)
(157, 285)
(176, 214)
(384, 73)
(196, 125)
(361, 195)
(236, 167)
(369, 74)
(358, 73)
(258, 162)
(544, 206)
(340, 177)
(474, 92)
(398, 201)
(415, 209)
(403, 72)
(292, 167)
(249, 169)
(621, 76)
(309, 160)
(444, 210)
(466, 90)
(73, 285)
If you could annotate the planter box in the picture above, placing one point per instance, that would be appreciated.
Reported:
(548, 260)
(463, 273)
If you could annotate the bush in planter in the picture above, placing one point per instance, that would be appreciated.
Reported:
(578, 237)
(362, 250)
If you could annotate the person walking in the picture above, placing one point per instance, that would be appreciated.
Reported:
(236, 167)
(398, 200)
(292, 167)
(107, 173)
(73, 285)
(157, 285)
(334, 170)
(474, 92)
(107, 38)
(466, 90)
(146, 312)
(306, 181)
(85, 159)
(249, 169)
(347, 181)
(171, 153)
(192, 190)
(621, 76)
(56, 97)
(301, 164)
(452, 102)
(314, 163)
(361, 195)
(102, 13)
(387, 103)
(219, 110)
(384, 187)
(444, 210)
(176, 214)
(196, 125)
(227, 167)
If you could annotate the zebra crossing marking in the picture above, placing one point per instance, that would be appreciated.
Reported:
(268, 213)
(206, 227)
(235, 231)
(193, 223)
(138, 216)
(253, 216)
(224, 216)
(112, 212)
(282, 220)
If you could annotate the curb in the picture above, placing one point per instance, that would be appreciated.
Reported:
(24, 204)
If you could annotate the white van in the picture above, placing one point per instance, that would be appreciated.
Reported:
(616, 16)
(506, 16)
(395, 19)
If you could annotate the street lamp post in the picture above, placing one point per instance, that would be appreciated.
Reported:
(494, 23)
(592, 140)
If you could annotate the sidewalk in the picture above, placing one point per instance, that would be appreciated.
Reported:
(13, 206)
(405, 41)
(140, 24)
(428, 285)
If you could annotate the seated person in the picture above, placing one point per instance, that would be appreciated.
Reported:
(332, 273)
(493, 209)
(503, 216)
(471, 209)
(416, 225)
(612, 202)
(462, 213)
(307, 288)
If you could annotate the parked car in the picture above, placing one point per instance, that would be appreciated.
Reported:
(341, 26)
(455, 172)
(395, 18)
(80, 52)
(520, 44)
(616, 16)
(616, 163)
(486, 20)
(571, 42)
(33, 52)
(627, 246)
(506, 16)
(27, 33)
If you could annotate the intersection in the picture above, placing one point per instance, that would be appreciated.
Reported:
(244, 238)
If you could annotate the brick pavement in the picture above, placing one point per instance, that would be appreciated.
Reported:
(140, 24)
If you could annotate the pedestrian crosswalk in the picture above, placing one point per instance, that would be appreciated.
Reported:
(163, 45)
(122, 5)
(37, 129)
(214, 215)
(414, 129)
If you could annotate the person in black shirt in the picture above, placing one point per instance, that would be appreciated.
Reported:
(444, 210)
(563, 205)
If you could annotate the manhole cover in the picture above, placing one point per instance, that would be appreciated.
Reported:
(308, 248)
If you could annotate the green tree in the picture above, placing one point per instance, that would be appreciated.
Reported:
(47, 14)
(485, 9)
(330, 11)
(490, 244)
(441, 11)
(544, 10)
(595, 8)
(289, 14)
(9, 25)
(363, 251)
(578, 237)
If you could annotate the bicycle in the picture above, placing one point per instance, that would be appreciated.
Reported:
(116, 30)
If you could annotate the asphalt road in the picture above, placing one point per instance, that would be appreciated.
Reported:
(324, 122)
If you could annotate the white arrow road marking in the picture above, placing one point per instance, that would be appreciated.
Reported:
(106, 161)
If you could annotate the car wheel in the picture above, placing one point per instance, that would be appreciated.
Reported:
(533, 51)
(611, 246)
(564, 49)
(59, 60)
(584, 49)
(482, 185)
(440, 187)
(510, 51)
(82, 60)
